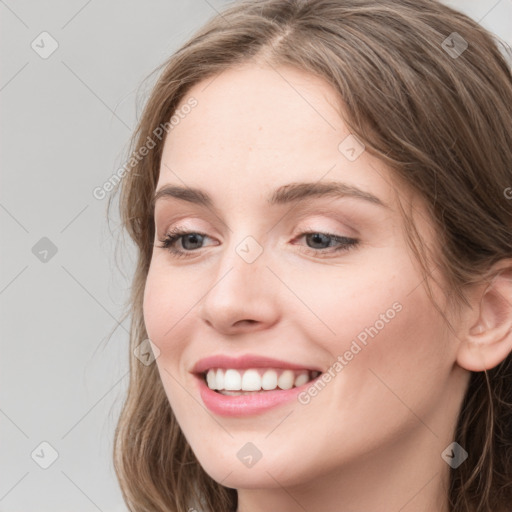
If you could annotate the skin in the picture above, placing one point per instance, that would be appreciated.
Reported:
(372, 438)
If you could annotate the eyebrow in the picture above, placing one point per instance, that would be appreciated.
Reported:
(290, 193)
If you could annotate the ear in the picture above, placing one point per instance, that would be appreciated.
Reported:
(487, 338)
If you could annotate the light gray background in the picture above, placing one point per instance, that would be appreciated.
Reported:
(65, 122)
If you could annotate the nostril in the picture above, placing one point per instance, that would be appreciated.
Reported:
(242, 322)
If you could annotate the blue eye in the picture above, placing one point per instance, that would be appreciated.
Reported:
(335, 243)
(188, 236)
(322, 238)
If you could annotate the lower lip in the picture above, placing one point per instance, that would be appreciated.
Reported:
(244, 405)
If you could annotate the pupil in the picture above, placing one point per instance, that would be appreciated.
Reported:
(321, 236)
(187, 238)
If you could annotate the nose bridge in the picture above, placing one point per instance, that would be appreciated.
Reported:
(239, 290)
(242, 266)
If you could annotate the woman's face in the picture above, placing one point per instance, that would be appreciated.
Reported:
(257, 285)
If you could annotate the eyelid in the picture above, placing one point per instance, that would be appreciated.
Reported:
(321, 227)
(344, 212)
(316, 223)
(182, 223)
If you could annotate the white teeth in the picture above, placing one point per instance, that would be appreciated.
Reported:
(257, 379)
(232, 380)
(301, 379)
(219, 378)
(211, 379)
(269, 380)
(251, 381)
(286, 380)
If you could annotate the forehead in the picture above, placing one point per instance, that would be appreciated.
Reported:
(281, 112)
(257, 128)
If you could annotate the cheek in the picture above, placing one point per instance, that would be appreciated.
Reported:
(171, 297)
(166, 320)
(162, 307)
(152, 307)
(337, 304)
(376, 323)
(389, 369)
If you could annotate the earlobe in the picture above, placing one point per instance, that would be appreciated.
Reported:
(488, 339)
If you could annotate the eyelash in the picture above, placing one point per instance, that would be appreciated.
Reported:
(176, 233)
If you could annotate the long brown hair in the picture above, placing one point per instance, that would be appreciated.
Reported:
(438, 113)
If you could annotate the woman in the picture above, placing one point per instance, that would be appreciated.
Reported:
(320, 197)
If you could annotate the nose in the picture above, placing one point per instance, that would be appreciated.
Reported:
(243, 292)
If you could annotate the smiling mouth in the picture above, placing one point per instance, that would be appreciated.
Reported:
(233, 382)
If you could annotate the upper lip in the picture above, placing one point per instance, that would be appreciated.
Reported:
(246, 361)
